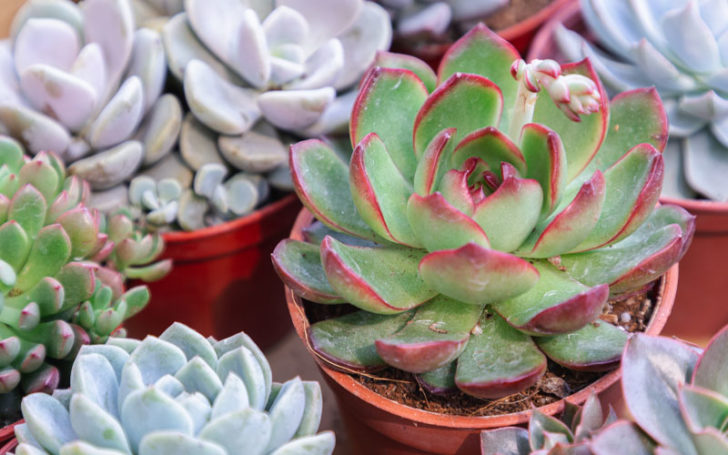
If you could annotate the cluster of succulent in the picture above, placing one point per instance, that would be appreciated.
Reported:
(681, 48)
(62, 269)
(82, 82)
(676, 395)
(485, 217)
(436, 20)
(177, 394)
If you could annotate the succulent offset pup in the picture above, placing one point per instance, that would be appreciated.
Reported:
(680, 47)
(80, 81)
(177, 394)
(677, 396)
(62, 268)
(486, 215)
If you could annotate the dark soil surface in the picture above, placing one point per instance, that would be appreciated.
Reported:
(515, 12)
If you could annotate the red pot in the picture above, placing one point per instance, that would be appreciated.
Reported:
(382, 426)
(7, 438)
(702, 297)
(222, 280)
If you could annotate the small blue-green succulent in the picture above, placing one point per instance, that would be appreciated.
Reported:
(177, 394)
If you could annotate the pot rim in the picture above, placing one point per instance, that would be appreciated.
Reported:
(532, 22)
(667, 293)
(224, 228)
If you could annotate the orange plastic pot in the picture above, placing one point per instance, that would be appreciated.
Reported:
(378, 425)
(222, 280)
(701, 307)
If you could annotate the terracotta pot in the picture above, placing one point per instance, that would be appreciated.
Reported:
(7, 438)
(701, 308)
(382, 426)
(520, 35)
(223, 281)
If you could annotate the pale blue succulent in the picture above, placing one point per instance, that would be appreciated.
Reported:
(177, 394)
(681, 48)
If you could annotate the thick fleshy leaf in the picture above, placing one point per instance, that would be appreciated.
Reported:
(622, 437)
(148, 410)
(407, 62)
(36, 131)
(320, 444)
(594, 347)
(321, 180)
(312, 411)
(556, 304)
(434, 337)
(702, 408)
(48, 421)
(712, 365)
(652, 368)
(505, 441)
(27, 208)
(93, 377)
(433, 163)
(477, 275)
(440, 381)
(438, 225)
(14, 244)
(299, 266)
(491, 146)
(169, 442)
(384, 92)
(42, 176)
(243, 363)
(286, 412)
(467, 102)
(581, 139)
(247, 431)
(348, 341)
(380, 192)
(120, 117)
(49, 253)
(498, 360)
(380, 280)
(542, 427)
(480, 51)
(95, 425)
(546, 159)
(109, 168)
(633, 187)
(293, 110)
(325, 19)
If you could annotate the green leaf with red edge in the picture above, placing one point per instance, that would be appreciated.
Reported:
(387, 104)
(78, 281)
(439, 381)
(509, 214)
(581, 139)
(435, 336)
(491, 146)
(14, 244)
(498, 360)
(633, 186)
(83, 230)
(541, 425)
(407, 62)
(454, 188)
(11, 154)
(467, 102)
(348, 341)
(433, 163)
(595, 347)
(668, 214)
(635, 117)
(556, 304)
(316, 231)
(702, 408)
(28, 208)
(299, 266)
(380, 280)
(569, 224)
(545, 161)
(321, 180)
(50, 251)
(711, 441)
(477, 275)
(42, 176)
(652, 368)
(622, 437)
(48, 294)
(380, 192)
(440, 226)
(483, 52)
(712, 367)
(505, 441)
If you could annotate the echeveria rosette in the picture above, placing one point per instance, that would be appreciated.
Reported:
(177, 394)
(495, 226)
(681, 48)
(81, 81)
(57, 286)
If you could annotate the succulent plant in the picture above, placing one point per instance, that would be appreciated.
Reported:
(177, 394)
(80, 81)
(484, 224)
(680, 47)
(61, 269)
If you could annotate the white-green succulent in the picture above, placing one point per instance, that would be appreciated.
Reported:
(680, 47)
(177, 394)
(82, 81)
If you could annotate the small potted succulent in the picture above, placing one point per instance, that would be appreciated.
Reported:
(426, 28)
(480, 226)
(62, 272)
(677, 397)
(677, 48)
(177, 394)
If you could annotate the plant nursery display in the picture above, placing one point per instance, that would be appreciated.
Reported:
(676, 396)
(62, 270)
(177, 394)
(486, 215)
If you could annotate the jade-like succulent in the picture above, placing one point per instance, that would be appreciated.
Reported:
(177, 394)
(62, 269)
(681, 48)
(485, 217)
(80, 81)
